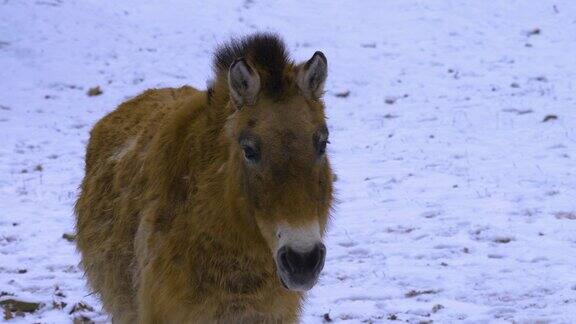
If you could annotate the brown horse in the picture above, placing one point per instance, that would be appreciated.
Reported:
(210, 206)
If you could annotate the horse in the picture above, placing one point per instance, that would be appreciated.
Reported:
(211, 206)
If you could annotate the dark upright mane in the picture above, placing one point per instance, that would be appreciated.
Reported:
(266, 51)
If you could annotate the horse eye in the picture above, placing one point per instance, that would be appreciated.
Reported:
(321, 147)
(250, 153)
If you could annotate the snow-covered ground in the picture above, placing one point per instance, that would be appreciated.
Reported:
(457, 183)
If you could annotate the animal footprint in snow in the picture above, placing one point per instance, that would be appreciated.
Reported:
(347, 244)
(431, 214)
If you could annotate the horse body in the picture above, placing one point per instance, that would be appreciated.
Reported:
(210, 206)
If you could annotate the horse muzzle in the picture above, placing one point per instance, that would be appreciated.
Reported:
(299, 270)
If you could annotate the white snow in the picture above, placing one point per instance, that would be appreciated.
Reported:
(457, 201)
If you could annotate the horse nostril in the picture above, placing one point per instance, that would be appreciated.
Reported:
(283, 258)
(292, 260)
(315, 259)
(308, 262)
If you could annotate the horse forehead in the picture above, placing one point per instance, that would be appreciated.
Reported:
(287, 136)
(291, 153)
(284, 129)
(289, 111)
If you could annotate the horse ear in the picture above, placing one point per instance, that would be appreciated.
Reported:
(312, 76)
(244, 83)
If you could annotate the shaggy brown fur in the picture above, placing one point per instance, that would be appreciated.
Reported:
(174, 224)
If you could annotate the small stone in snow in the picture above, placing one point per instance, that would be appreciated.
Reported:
(549, 118)
(80, 307)
(343, 94)
(69, 237)
(533, 32)
(19, 306)
(95, 91)
(390, 100)
(82, 320)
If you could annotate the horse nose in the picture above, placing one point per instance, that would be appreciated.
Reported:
(302, 264)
